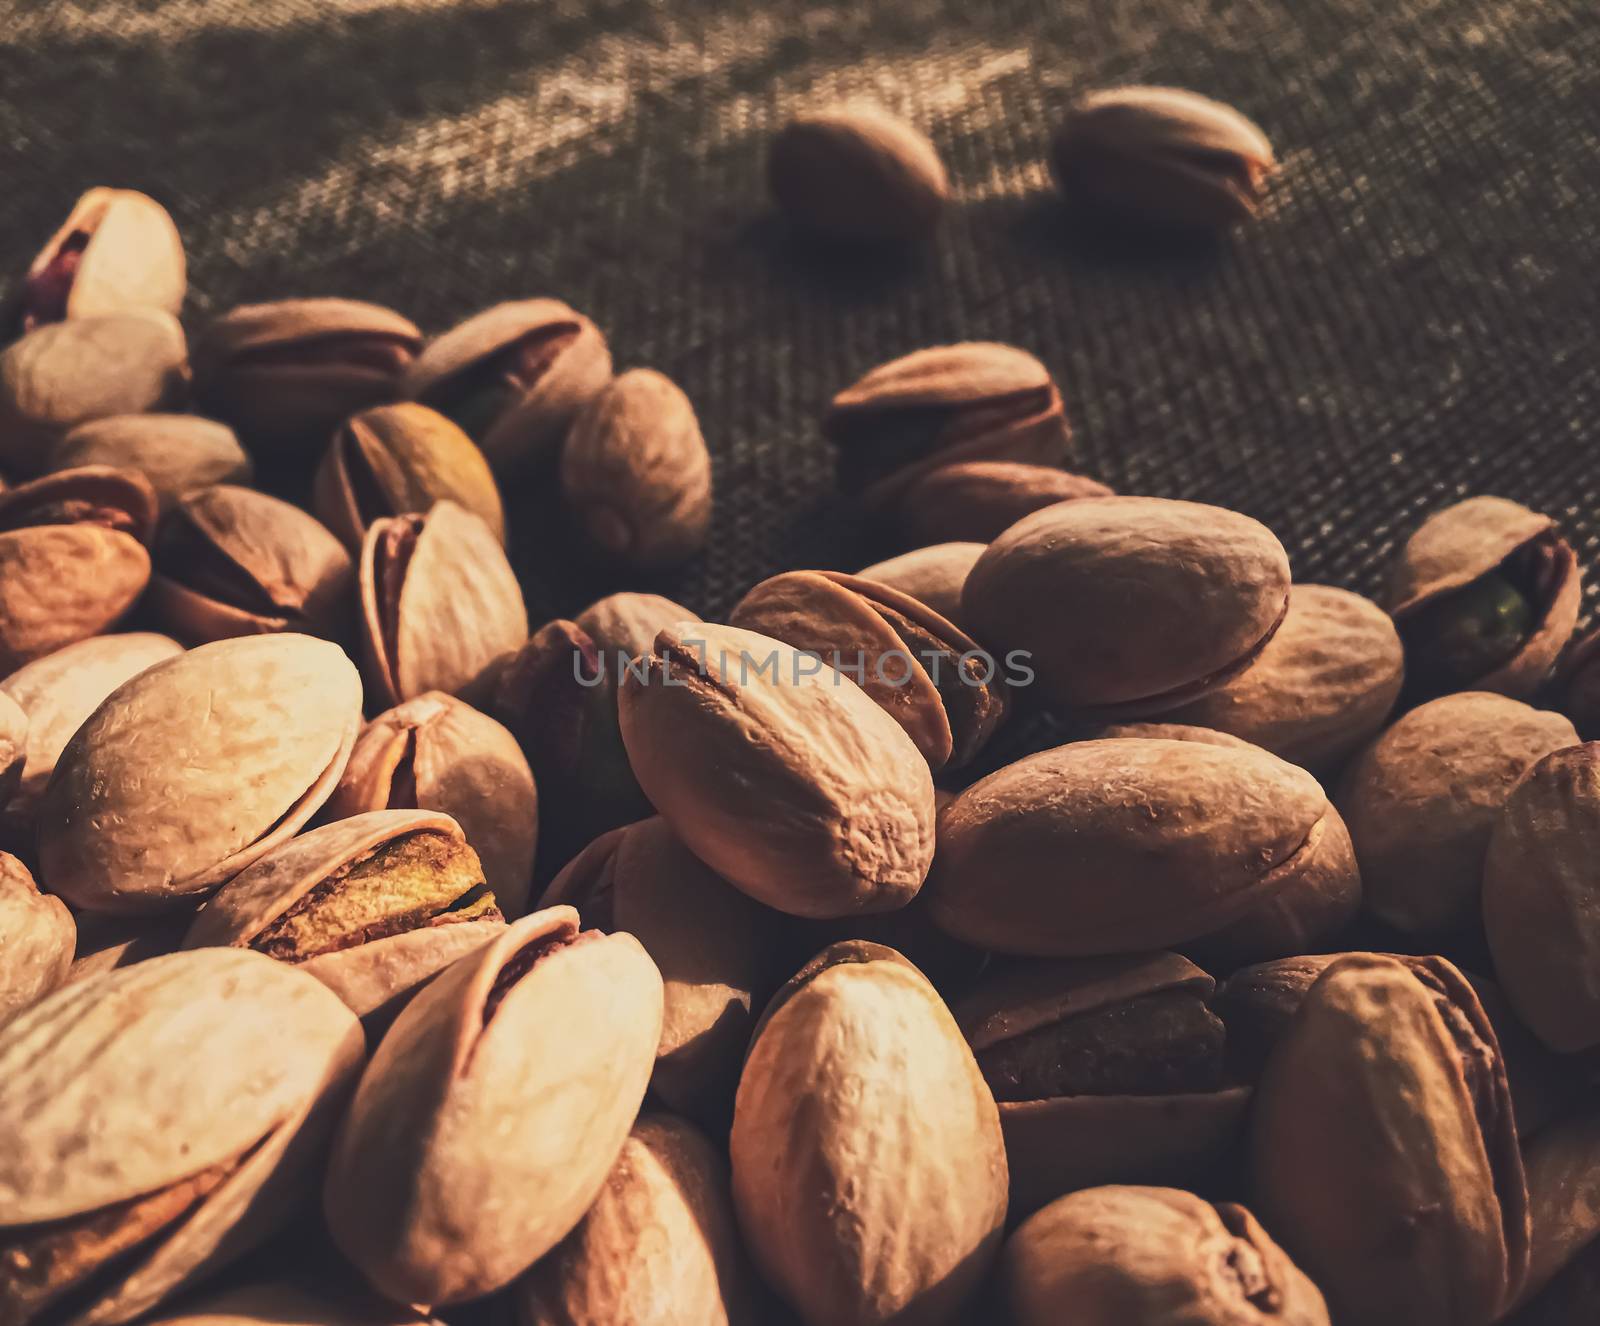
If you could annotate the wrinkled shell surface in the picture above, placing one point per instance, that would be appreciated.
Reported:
(37, 936)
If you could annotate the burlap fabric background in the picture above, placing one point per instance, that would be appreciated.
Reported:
(1414, 319)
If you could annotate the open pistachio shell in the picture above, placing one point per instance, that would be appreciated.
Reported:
(147, 1146)
(177, 453)
(37, 936)
(288, 706)
(493, 1109)
(933, 575)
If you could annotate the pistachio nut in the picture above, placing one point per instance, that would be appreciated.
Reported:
(286, 373)
(1383, 1150)
(438, 753)
(68, 373)
(1129, 605)
(177, 453)
(635, 472)
(1114, 1256)
(117, 250)
(13, 747)
(514, 377)
(1103, 1069)
(1422, 799)
(493, 1110)
(860, 1203)
(372, 906)
(659, 1244)
(716, 948)
(1578, 684)
(1563, 1172)
(1161, 157)
(780, 774)
(57, 692)
(933, 575)
(160, 1120)
(231, 561)
(284, 1303)
(977, 501)
(1541, 901)
(287, 707)
(1485, 595)
(1321, 688)
(1125, 846)
(392, 460)
(108, 942)
(857, 173)
(439, 603)
(73, 558)
(37, 937)
(974, 401)
(920, 669)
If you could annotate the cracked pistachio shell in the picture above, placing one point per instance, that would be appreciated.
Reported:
(73, 558)
(862, 1205)
(439, 603)
(659, 1245)
(231, 561)
(1422, 799)
(1563, 1171)
(287, 1304)
(117, 250)
(1129, 605)
(493, 1109)
(57, 692)
(1321, 688)
(514, 376)
(933, 575)
(177, 453)
(1120, 1255)
(1541, 900)
(857, 173)
(918, 667)
(635, 472)
(411, 931)
(1123, 845)
(67, 373)
(1456, 548)
(394, 459)
(161, 1119)
(1383, 1149)
(789, 782)
(37, 937)
(979, 500)
(716, 948)
(438, 753)
(111, 837)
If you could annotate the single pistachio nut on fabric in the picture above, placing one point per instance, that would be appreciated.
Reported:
(1163, 158)
(37, 935)
(74, 558)
(177, 453)
(147, 811)
(1485, 595)
(1114, 1256)
(659, 1244)
(439, 603)
(636, 475)
(1103, 1069)
(1422, 800)
(372, 906)
(514, 377)
(438, 753)
(869, 1170)
(857, 173)
(1129, 606)
(1383, 1150)
(160, 1121)
(395, 459)
(933, 575)
(976, 501)
(69, 373)
(287, 1303)
(231, 561)
(778, 772)
(493, 1110)
(976, 400)
(286, 373)
(117, 250)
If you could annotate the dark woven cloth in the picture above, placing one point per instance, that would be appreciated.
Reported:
(1413, 319)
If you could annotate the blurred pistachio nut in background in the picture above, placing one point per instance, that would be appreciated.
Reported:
(978, 500)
